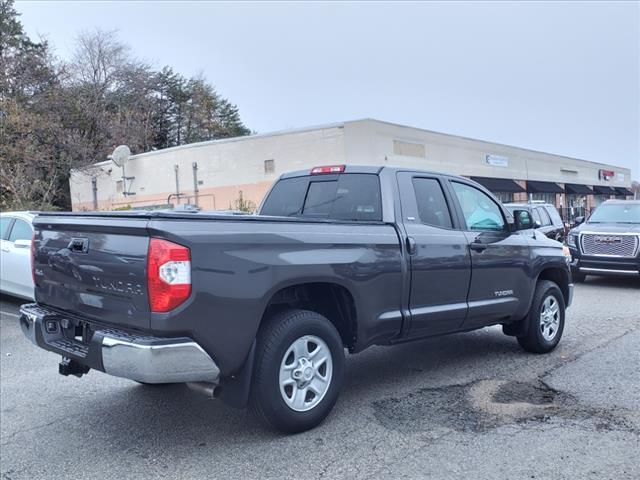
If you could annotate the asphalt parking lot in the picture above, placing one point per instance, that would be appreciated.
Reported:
(465, 406)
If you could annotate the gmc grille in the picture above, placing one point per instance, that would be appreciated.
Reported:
(609, 244)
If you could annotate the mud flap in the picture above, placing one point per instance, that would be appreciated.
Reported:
(235, 390)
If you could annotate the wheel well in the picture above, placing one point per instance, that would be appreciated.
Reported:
(330, 300)
(558, 276)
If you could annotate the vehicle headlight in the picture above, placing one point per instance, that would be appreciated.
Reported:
(572, 240)
(566, 253)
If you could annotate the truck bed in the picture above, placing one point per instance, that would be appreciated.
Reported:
(238, 264)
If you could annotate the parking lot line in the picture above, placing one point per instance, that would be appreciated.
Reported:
(14, 315)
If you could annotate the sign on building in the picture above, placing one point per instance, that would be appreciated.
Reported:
(497, 160)
(605, 174)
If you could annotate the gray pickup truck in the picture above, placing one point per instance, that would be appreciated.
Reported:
(259, 309)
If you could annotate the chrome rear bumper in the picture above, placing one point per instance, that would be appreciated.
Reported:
(146, 359)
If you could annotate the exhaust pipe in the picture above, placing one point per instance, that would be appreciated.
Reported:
(208, 389)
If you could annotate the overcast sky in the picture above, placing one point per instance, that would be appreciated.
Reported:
(558, 77)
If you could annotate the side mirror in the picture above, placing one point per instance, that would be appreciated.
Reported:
(537, 224)
(523, 220)
(22, 244)
(579, 220)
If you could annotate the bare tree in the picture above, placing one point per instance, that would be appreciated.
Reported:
(59, 116)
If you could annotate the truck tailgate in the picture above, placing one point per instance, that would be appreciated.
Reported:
(94, 267)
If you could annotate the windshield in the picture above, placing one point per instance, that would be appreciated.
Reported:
(616, 213)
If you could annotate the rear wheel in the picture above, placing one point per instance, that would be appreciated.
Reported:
(298, 372)
(546, 319)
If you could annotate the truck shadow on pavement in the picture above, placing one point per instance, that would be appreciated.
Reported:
(632, 283)
(175, 415)
(166, 416)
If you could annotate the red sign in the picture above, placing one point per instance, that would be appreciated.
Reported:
(605, 174)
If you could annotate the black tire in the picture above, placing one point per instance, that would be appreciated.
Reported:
(274, 340)
(533, 340)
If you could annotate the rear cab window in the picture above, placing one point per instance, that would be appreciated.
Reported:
(347, 196)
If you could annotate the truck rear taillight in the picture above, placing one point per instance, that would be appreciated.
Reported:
(168, 274)
(327, 169)
(33, 257)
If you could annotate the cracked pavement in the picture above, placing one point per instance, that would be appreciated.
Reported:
(470, 405)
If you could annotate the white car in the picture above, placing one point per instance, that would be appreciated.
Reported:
(15, 254)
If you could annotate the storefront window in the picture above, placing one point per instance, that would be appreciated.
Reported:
(545, 197)
(504, 197)
(576, 207)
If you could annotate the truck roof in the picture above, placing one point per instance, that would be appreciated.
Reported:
(626, 202)
(371, 169)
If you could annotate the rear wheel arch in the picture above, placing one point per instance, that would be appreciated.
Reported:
(331, 300)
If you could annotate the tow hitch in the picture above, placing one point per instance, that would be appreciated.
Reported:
(70, 367)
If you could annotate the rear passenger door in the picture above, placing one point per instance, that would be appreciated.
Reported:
(500, 278)
(439, 257)
(16, 260)
(5, 250)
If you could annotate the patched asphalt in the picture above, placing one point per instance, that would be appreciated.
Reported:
(464, 406)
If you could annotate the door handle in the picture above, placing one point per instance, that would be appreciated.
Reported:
(5, 249)
(477, 246)
(411, 245)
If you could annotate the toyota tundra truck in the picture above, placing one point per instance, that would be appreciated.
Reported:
(259, 309)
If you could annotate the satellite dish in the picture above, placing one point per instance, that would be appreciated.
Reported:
(120, 155)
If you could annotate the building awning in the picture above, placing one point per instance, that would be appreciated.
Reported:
(577, 189)
(602, 190)
(623, 191)
(543, 187)
(498, 184)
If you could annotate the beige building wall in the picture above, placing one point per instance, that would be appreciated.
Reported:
(226, 167)
(368, 140)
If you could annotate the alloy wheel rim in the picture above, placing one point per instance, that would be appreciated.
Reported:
(305, 373)
(549, 318)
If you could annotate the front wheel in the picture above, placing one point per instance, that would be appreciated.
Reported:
(299, 370)
(546, 319)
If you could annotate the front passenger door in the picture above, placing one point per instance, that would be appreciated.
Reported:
(500, 277)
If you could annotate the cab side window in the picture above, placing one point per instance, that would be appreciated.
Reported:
(432, 206)
(556, 219)
(5, 223)
(536, 216)
(480, 211)
(20, 231)
(544, 216)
